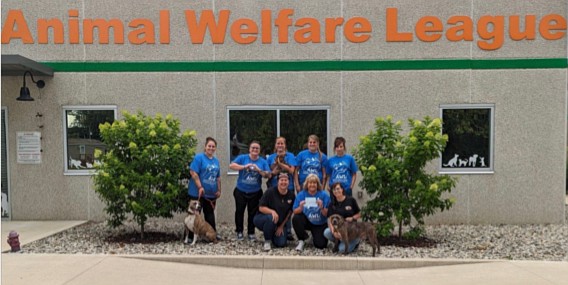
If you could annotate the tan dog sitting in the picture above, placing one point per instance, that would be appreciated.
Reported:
(352, 230)
(195, 223)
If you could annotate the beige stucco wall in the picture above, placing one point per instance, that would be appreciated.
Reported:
(527, 186)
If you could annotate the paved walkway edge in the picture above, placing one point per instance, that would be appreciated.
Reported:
(308, 263)
(31, 231)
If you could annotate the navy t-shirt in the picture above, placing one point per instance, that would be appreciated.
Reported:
(347, 208)
(282, 204)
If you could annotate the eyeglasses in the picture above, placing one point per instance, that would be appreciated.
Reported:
(254, 147)
(337, 189)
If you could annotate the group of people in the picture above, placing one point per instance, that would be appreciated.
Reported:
(298, 195)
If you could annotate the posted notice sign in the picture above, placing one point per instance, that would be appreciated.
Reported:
(29, 147)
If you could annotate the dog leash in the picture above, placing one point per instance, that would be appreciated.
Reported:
(213, 203)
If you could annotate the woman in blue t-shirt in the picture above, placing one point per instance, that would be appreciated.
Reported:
(341, 168)
(310, 161)
(252, 168)
(205, 183)
(282, 161)
(310, 213)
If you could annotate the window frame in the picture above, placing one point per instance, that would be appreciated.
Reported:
(279, 108)
(467, 170)
(66, 170)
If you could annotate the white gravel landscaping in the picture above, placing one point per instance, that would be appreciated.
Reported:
(515, 242)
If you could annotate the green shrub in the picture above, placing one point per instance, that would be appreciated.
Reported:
(142, 170)
(394, 177)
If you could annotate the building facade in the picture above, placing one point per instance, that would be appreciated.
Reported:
(494, 71)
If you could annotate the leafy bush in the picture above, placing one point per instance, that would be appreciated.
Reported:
(394, 176)
(142, 170)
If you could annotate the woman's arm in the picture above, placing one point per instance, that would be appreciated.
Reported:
(236, 166)
(218, 194)
(195, 178)
(287, 168)
(324, 175)
(353, 180)
(297, 180)
(354, 217)
(300, 208)
(323, 209)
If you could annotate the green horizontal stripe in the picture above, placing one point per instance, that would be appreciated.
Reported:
(331, 65)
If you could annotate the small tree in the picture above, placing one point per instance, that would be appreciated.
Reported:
(141, 172)
(394, 176)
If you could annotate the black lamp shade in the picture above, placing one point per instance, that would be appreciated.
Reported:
(25, 94)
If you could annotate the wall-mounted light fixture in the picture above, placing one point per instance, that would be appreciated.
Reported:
(25, 92)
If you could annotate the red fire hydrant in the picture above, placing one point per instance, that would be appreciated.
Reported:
(14, 241)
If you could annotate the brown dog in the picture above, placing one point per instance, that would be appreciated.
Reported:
(352, 230)
(281, 159)
(195, 223)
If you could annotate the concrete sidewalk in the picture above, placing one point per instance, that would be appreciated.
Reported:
(107, 269)
(26, 269)
(31, 231)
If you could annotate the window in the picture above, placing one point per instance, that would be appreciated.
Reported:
(82, 136)
(265, 123)
(470, 138)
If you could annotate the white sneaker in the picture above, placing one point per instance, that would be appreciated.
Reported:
(300, 246)
(267, 246)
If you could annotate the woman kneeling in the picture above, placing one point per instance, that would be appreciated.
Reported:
(275, 208)
(310, 213)
(347, 207)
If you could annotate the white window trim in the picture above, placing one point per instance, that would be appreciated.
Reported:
(467, 170)
(327, 108)
(66, 170)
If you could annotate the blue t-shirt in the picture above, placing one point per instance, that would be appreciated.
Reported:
(209, 171)
(341, 169)
(288, 159)
(313, 214)
(310, 163)
(250, 181)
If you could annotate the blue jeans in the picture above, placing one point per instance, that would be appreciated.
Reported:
(264, 223)
(328, 235)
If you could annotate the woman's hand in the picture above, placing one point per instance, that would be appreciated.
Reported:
(300, 208)
(279, 230)
(319, 203)
(274, 216)
(337, 235)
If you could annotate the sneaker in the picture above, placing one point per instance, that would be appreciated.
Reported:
(240, 236)
(300, 246)
(252, 237)
(218, 237)
(267, 246)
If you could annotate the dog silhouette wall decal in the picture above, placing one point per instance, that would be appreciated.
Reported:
(452, 162)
